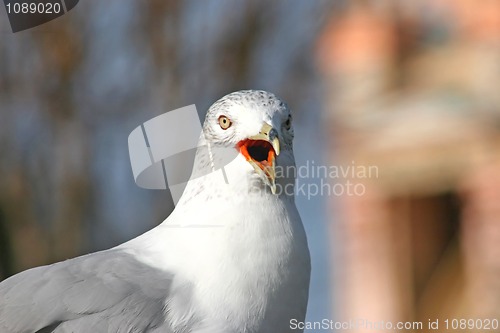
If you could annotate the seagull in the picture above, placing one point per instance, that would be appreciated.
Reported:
(231, 257)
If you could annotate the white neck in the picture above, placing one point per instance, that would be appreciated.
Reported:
(235, 240)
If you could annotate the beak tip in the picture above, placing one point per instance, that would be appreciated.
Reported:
(276, 146)
(273, 188)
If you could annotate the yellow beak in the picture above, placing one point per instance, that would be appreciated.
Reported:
(266, 168)
(267, 133)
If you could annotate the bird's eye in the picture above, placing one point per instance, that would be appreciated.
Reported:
(224, 122)
(288, 123)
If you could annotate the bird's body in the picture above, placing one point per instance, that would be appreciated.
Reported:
(232, 256)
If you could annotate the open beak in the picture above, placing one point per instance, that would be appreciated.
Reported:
(260, 151)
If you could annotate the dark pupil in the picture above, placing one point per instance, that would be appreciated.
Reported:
(258, 153)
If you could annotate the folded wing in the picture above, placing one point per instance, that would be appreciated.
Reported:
(107, 291)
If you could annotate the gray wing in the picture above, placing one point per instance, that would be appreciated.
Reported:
(107, 291)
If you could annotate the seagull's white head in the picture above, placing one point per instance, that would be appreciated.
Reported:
(257, 125)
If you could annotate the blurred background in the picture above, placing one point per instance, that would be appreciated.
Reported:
(409, 90)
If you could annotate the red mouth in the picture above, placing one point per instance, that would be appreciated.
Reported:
(260, 152)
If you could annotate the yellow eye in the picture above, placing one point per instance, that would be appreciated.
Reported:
(224, 122)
